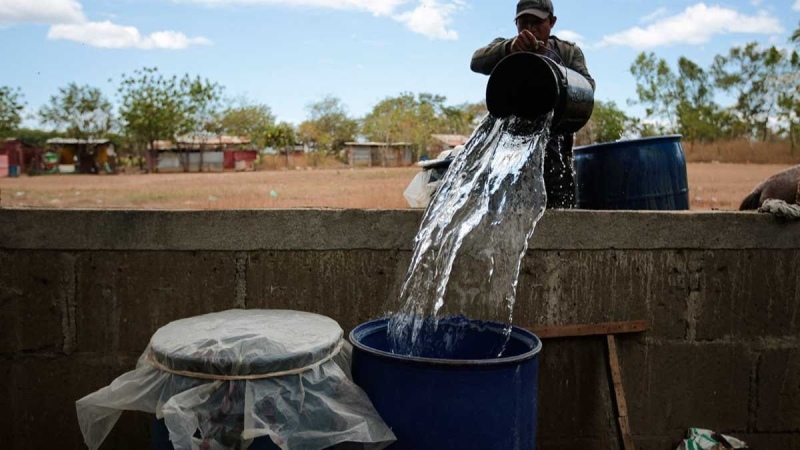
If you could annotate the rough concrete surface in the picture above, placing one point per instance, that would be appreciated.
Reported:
(32, 305)
(123, 298)
(379, 230)
(720, 292)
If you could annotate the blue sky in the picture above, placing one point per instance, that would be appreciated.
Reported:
(290, 53)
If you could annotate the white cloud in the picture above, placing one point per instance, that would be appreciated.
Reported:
(660, 12)
(695, 26)
(569, 35)
(377, 7)
(40, 11)
(796, 5)
(430, 18)
(110, 35)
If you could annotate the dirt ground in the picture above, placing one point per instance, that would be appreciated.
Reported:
(712, 186)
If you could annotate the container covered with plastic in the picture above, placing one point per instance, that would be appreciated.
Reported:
(221, 380)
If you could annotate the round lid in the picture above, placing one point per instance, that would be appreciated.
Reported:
(245, 342)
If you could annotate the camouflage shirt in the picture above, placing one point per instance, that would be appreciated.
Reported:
(570, 55)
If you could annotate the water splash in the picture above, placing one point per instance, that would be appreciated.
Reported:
(481, 218)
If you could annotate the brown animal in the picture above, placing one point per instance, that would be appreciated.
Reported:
(781, 186)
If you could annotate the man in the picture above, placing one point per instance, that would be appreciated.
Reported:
(535, 20)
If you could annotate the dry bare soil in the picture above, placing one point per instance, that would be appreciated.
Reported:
(712, 186)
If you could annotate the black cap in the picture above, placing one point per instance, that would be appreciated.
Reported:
(539, 8)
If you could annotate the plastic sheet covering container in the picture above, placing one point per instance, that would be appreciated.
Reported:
(274, 379)
(639, 174)
(456, 395)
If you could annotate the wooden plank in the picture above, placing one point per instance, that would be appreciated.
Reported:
(619, 394)
(596, 329)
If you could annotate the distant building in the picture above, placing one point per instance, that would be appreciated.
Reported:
(17, 157)
(84, 155)
(11, 157)
(378, 154)
(216, 153)
(442, 142)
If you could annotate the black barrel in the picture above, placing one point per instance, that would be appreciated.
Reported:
(639, 174)
(530, 85)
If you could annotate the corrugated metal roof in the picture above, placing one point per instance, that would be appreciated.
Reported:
(72, 141)
(376, 144)
(197, 141)
(214, 140)
(451, 139)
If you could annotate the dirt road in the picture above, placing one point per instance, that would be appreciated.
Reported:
(712, 186)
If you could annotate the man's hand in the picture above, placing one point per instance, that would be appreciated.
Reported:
(525, 42)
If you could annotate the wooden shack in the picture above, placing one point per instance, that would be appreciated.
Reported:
(378, 154)
(87, 156)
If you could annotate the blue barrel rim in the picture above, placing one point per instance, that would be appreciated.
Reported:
(378, 325)
(606, 145)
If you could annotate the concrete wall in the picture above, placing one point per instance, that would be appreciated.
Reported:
(82, 291)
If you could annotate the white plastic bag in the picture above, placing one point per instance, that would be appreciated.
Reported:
(700, 439)
(419, 191)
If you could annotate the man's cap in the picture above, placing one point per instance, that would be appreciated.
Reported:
(539, 8)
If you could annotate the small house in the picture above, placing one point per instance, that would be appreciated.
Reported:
(202, 153)
(84, 155)
(378, 154)
(17, 157)
(442, 142)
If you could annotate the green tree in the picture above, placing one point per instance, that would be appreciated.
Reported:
(35, 137)
(150, 107)
(392, 120)
(281, 137)
(789, 97)
(656, 87)
(156, 107)
(414, 118)
(697, 114)
(607, 124)
(82, 112)
(253, 120)
(328, 126)
(11, 106)
(684, 99)
(753, 75)
(467, 117)
(201, 108)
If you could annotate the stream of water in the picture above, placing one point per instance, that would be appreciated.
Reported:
(475, 232)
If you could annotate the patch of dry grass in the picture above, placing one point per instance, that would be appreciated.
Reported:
(742, 152)
(712, 186)
(724, 186)
(347, 188)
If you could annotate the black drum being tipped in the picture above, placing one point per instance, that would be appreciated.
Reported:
(522, 85)
(528, 85)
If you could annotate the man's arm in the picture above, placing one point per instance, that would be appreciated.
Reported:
(484, 59)
(578, 64)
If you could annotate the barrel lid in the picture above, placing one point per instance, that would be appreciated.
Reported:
(616, 145)
(245, 342)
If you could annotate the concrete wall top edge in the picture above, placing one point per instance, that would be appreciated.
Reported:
(331, 229)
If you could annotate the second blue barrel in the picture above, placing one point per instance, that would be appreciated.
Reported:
(457, 396)
(637, 174)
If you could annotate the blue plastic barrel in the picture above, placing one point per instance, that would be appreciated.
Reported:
(13, 171)
(456, 398)
(639, 174)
